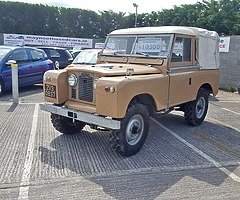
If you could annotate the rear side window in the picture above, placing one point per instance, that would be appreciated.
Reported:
(54, 53)
(20, 55)
(68, 54)
(64, 53)
(36, 55)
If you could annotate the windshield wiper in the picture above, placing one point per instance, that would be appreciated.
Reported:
(116, 53)
(81, 63)
(142, 53)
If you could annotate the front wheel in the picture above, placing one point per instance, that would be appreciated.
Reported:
(56, 65)
(195, 111)
(134, 130)
(66, 125)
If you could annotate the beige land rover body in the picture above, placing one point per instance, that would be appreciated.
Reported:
(140, 71)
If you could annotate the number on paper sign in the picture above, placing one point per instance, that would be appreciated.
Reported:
(149, 44)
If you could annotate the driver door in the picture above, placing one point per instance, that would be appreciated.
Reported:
(24, 65)
(182, 70)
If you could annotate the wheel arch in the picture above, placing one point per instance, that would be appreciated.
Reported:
(147, 100)
(207, 86)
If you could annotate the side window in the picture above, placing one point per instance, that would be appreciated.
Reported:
(20, 55)
(36, 55)
(54, 54)
(181, 50)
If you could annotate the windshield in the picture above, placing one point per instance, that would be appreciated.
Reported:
(148, 45)
(86, 57)
(3, 52)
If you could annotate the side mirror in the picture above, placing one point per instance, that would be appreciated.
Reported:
(12, 63)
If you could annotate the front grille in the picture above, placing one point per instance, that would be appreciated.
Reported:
(85, 87)
(74, 93)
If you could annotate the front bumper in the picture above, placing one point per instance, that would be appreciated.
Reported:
(82, 116)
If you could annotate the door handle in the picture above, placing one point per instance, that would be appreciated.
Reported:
(190, 81)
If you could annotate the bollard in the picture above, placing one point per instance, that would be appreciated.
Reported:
(15, 92)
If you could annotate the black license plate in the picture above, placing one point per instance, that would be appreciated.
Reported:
(50, 91)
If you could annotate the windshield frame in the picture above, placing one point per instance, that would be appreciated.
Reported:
(133, 53)
(86, 56)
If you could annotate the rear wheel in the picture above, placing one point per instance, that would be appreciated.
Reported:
(66, 125)
(195, 111)
(134, 130)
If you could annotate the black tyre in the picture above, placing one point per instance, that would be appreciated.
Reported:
(66, 125)
(1, 87)
(134, 130)
(195, 111)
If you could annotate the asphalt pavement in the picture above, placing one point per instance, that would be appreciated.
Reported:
(177, 161)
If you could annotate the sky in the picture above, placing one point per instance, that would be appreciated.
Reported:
(144, 6)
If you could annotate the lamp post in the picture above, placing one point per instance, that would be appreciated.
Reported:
(136, 6)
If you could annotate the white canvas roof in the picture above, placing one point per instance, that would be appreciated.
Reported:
(207, 41)
(207, 49)
(154, 30)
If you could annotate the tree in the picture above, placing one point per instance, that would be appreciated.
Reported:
(222, 16)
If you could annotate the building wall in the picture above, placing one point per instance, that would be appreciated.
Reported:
(230, 64)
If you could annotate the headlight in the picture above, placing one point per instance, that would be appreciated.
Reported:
(72, 80)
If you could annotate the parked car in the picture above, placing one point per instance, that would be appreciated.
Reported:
(74, 53)
(87, 56)
(32, 64)
(61, 57)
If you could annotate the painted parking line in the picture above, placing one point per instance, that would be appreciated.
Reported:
(24, 186)
(201, 153)
(228, 101)
(228, 110)
(236, 113)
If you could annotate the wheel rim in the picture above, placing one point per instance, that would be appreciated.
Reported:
(134, 129)
(57, 65)
(200, 107)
